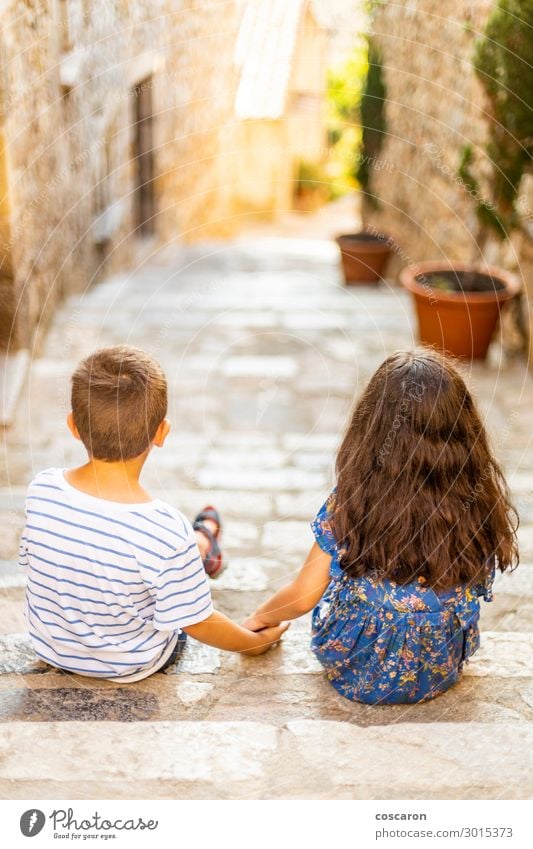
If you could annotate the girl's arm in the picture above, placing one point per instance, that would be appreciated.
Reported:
(219, 631)
(298, 597)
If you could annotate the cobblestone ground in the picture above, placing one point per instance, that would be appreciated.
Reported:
(264, 350)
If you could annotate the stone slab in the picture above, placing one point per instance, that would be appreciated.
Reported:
(508, 613)
(12, 619)
(319, 320)
(10, 538)
(67, 704)
(311, 758)
(290, 697)
(302, 506)
(525, 541)
(512, 607)
(502, 655)
(239, 505)
(521, 482)
(245, 440)
(245, 574)
(239, 534)
(11, 575)
(517, 583)
(12, 498)
(198, 659)
(185, 751)
(314, 461)
(272, 367)
(17, 655)
(253, 458)
(410, 759)
(192, 692)
(287, 535)
(311, 441)
(268, 480)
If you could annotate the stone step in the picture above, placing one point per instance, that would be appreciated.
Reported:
(268, 480)
(245, 584)
(304, 759)
(11, 575)
(55, 696)
(265, 417)
(512, 608)
(44, 694)
(288, 541)
(12, 498)
(502, 655)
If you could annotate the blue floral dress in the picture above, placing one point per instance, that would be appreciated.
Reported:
(383, 642)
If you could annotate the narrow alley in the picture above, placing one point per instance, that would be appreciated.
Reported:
(265, 351)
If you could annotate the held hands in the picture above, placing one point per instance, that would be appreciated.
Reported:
(256, 622)
(267, 637)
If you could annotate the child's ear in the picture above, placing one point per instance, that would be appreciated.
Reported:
(72, 426)
(161, 433)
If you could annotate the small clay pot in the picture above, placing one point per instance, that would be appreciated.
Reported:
(364, 256)
(458, 305)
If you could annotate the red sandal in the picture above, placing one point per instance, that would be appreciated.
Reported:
(213, 563)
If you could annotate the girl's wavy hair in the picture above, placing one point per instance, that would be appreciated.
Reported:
(419, 493)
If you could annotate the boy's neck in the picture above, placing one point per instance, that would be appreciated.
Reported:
(112, 481)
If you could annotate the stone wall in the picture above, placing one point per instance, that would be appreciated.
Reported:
(434, 109)
(34, 150)
(196, 101)
(68, 122)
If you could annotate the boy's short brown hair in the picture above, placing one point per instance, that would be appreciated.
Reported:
(119, 398)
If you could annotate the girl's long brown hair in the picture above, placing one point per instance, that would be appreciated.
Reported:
(419, 493)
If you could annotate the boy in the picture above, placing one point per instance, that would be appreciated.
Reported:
(116, 578)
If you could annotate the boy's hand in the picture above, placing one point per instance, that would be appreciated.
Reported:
(267, 638)
(256, 623)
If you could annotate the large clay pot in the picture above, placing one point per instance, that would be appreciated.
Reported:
(458, 305)
(364, 256)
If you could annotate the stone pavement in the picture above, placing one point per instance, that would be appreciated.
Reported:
(264, 351)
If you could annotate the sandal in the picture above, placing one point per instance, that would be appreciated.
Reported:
(212, 561)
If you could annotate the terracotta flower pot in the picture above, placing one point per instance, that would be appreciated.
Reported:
(458, 305)
(364, 256)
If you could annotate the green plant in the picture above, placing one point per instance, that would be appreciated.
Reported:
(356, 127)
(345, 84)
(487, 214)
(441, 284)
(373, 119)
(313, 179)
(502, 62)
(309, 177)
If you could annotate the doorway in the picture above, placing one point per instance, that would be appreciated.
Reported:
(7, 284)
(143, 157)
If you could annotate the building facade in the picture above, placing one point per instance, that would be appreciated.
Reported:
(281, 60)
(111, 121)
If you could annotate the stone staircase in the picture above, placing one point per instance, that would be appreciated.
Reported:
(264, 351)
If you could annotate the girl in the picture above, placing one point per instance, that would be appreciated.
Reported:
(407, 542)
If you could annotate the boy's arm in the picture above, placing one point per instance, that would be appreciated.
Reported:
(219, 631)
(183, 603)
(298, 597)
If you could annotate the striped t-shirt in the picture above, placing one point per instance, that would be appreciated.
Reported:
(110, 585)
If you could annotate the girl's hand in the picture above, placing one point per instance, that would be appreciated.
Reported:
(267, 638)
(256, 623)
